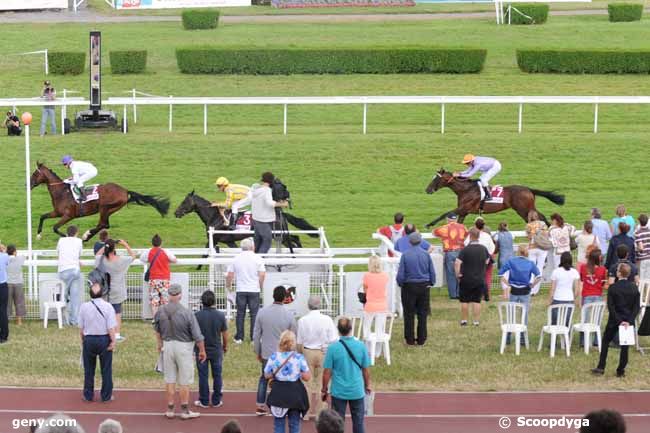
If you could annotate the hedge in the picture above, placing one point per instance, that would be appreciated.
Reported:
(584, 62)
(66, 62)
(623, 12)
(128, 62)
(537, 11)
(200, 19)
(209, 60)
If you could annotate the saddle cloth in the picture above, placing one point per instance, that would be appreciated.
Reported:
(92, 193)
(244, 222)
(497, 194)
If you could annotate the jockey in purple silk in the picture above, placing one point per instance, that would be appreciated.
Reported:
(488, 167)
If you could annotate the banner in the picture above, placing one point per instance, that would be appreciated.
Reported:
(168, 4)
(14, 5)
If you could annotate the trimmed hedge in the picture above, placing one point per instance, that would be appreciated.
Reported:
(66, 62)
(329, 61)
(128, 62)
(584, 62)
(537, 11)
(200, 19)
(624, 12)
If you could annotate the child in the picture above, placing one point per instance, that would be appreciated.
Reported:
(15, 283)
(505, 243)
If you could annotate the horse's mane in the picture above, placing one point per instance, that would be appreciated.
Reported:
(39, 165)
(201, 201)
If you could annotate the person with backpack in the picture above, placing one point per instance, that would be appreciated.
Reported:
(539, 244)
(394, 231)
(158, 275)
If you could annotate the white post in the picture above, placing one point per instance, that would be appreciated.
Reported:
(135, 109)
(341, 289)
(63, 113)
(596, 118)
(47, 68)
(205, 119)
(285, 120)
(442, 118)
(28, 191)
(365, 116)
(124, 120)
(170, 114)
(32, 277)
(496, 10)
(521, 112)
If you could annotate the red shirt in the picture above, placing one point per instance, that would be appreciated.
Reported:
(393, 233)
(160, 269)
(592, 285)
(452, 236)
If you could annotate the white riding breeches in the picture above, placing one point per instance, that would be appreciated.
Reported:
(236, 206)
(485, 177)
(83, 178)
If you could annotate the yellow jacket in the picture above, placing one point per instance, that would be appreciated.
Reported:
(234, 192)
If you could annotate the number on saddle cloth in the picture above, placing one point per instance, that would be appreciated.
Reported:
(92, 192)
(244, 222)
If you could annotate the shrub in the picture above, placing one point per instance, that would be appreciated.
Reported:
(584, 62)
(271, 61)
(622, 12)
(537, 11)
(66, 62)
(128, 62)
(200, 19)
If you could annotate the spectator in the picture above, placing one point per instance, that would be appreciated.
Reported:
(642, 247)
(519, 275)
(565, 284)
(329, 421)
(395, 231)
(622, 217)
(601, 229)
(536, 253)
(622, 256)
(103, 237)
(60, 423)
(316, 332)
(560, 234)
(415, 276)
(214, 327)
(604, 421)
(621, 238)
(346, 364)
(270, 323)
(4, 296)
(593, 279)
(485, 239)
(504, 243)
(159, 272)
(249, 271)
(12, 123)
(110, 426)
(623, 303)
(117, 267)
(16, 284)
(97, 323)
(49, 94)
(470, 270)
(288, 398)
(231, 426)
(403, 243)
(68, 250)
(453, 237)
(375, 287)
(177, 331)
(263, 212)
(585, 240)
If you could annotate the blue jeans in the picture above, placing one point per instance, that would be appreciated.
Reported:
(450, 274)
(263, 236)
(520, 299)
(96, 346)
(252, 300)
(293, 416)
(72, 293)
(589, 300)
(357, 411)
(214, 363)
(48, 112)
(261, 387)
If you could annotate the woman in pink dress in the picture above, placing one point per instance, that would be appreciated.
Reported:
(375, 286)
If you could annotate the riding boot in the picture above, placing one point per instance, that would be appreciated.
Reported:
(488, 196)
(82, 198)
(233, 221)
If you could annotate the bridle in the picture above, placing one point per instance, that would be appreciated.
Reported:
(48, 181)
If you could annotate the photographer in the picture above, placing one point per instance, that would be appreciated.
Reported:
(49, 94)
(12, 123)
(263, 210)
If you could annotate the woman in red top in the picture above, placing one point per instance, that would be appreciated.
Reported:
(159, 273)
(593, 278)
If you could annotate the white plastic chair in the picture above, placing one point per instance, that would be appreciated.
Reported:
(54, 299)
(357, 326)
(512, 316)
(591, 318)
(562, 327)
(644, 290)
(376, 337)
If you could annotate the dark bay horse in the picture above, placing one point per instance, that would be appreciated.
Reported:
(112, 198)
(519, 198)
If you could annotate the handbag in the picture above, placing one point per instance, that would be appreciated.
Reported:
(573, 245)
(148, 273)
(272, 378)
(101, 277)
(542, 240)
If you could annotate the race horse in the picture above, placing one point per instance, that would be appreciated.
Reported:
(112, 197)
(519, 198)
(218, 218)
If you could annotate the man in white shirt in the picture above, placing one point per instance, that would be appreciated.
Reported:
(315, 332)
(249, 271)
(69, 271)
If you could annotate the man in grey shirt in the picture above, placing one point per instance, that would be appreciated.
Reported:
(269, 324)
(177, 331)
(49, 94)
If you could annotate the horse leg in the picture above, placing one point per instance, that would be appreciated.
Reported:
(45, 216)
(440, 218)
(103, 223)
(64, 219)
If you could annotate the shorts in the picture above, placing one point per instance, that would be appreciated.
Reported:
(470, 293)
(117, 308)
(178, 362)
(158, 292)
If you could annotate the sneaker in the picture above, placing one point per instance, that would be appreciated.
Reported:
(198, 403)
(109, 400)
(238, 341)
(620, 373)
(476, 323)
(463, 323)
(190, 415)
(218, 404)
(598, 371)
(170, 414)
(261, 411)
(120, 338)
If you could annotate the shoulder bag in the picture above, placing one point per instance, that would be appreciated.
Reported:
(148, 273)
(542, 239)
(277, 370)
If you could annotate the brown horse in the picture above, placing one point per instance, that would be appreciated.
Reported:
(112, 198)
(519, 198)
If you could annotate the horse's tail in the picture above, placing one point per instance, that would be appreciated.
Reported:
(551, 195)
(161, 204)
(301, 223)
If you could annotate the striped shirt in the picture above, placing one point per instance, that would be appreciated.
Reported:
(642, 242)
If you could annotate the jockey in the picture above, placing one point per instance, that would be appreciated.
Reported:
(235, 197)
(489, 167)
(81, 172)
